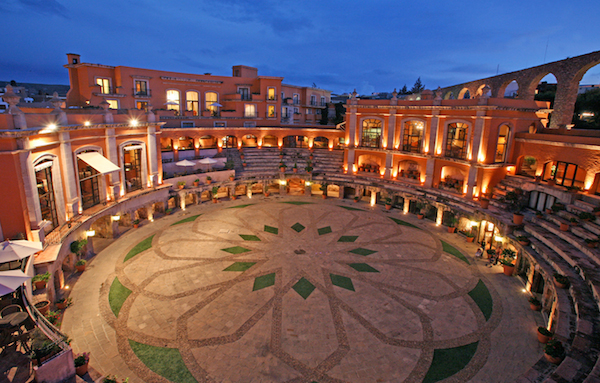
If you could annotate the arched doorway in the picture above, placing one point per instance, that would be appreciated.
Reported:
(320, 142)
(249, 141)
(295, 142)
(229, 141)
(452, 179)
(270, 141)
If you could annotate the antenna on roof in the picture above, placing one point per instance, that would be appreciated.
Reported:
(546, 51)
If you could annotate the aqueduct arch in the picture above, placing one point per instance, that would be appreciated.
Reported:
(568, 73)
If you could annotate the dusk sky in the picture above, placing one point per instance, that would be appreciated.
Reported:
(338, 45)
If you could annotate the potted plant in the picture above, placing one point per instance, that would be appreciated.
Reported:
(281, 153)
(77, 246)
(40, 280)
(295, 168)
(43, 306)
(196, 182)
(266, 190)
(308, 167)
(231, 177)
(470, 237)
(181, 184)
(523, 240)
(596, 211)
(551, 182)
(215, 190)
(356, 199)
(484, 202)
(81, 363)
(452, 221)
(80, 265)
(63, 303)
(554, 351)
(282, 166)
(208, 180)
(561, 281)
(508, 257)
(586, 216)
(564, 226)
(515, 203)
(557, 207)
(52, 317)
(168, 211)
(136, 223)
(244, 163)
(491, 253)
(539, 214)
(573, 221)
(544, 335)
(591, 242)
(388, 204)
(324, 190)
(535, 304)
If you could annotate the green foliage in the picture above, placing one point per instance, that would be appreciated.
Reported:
(77, 246)
(563, 280)
(418, 87)
(41, 277)
(82, 359)
(81, 262)
(587, 102)
(554, 348)
(543, 330)
(324, 116)
(340, 111)
(584, 215)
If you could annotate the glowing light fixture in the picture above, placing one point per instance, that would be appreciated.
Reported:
(498, 238)
(134, 122)
(87, 123)
(115, 217)
(90, 233)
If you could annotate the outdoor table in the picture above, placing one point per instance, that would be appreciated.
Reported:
(16, 319)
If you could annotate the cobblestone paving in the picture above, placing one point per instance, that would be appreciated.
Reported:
(299, 305)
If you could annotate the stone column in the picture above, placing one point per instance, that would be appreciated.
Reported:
(389, 163)
(391, 130)
(113, 155)
(440, 215)
(68, 168)
(351, 128)
(153, 155)
(150, 212)
(351, 159)
(406, 205)
(433, 131)
(429, 172)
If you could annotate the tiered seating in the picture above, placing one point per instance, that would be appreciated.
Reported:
(265, 161)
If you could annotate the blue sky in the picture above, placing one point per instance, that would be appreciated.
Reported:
(338, 45)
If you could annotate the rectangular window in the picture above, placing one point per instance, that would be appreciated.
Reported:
(142, 105)
(191, 99)
(271, 111)
(104, 85)
(271, 94)
(187, 124)
(296, 99)
(313, 100)
(413, 136)
(323, 101)
(308, 111)
(250, 110)
(245, 94)
(173, 100)
(220, 124)
(141, 88)
(113, 104)
(296, 110)
(249, 124)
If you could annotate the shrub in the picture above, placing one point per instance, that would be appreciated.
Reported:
(554, 348)
(41, 277)
(81, 262)
(82, 359)
(77, 246)
(563, 280)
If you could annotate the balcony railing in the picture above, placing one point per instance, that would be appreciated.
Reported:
(142, 93)
(251, 115)
(272, 98)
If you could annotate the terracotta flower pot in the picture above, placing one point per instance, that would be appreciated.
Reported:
(543, 338)
(231, 178)
(388, 207)
(81, 268)
(208, 182)
(214, 200)
(136, 225)
(518, 219)
(564, 227)
(196, 184)
(233, 197)
(61, 305)
(324, 196)
(535, 307)
(295, 170)
(420, 216)
(470, 239)
(551, 182)
(40, 285)
(81, 370)
(552, 359)
(451, 229)
(485, 203)
(508, 270)
(180, 186)
(43, 307)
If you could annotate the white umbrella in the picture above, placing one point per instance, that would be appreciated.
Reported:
(10, 280)
(15, 250)
(208, 161)
(185, 163)
(216, 104)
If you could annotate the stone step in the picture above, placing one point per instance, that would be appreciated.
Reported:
(584, 206)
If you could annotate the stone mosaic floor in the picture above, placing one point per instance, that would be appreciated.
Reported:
(297, 290)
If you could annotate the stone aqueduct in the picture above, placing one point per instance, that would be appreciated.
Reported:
(568, 73)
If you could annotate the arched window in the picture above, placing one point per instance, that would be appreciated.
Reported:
(211, 98)
(173, 100)
(45, 188)
(191, 99)
(456, 144)
(371, 133)
(502, 143)
(413, 136)
(185, 143)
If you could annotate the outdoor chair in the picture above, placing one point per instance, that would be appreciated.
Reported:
(9, 310)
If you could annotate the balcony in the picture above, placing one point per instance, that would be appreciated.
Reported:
(145, 93)
(106, 91)
(271, 99)
(251, 115)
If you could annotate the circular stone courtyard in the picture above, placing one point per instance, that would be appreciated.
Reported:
(299, 290)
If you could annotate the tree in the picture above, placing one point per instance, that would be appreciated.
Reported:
(324, 116)
(418, 87)
(340, 111)
(404, 90)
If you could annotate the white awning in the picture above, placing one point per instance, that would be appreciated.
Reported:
(98, 162)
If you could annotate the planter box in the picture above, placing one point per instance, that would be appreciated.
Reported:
(60, 368)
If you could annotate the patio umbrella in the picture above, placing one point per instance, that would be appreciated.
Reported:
(216, 104)
(10, 280)
(185, 163)
(15, 250)
(208, 161)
